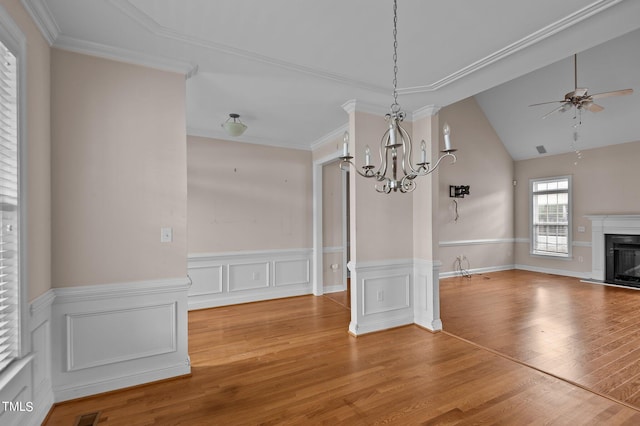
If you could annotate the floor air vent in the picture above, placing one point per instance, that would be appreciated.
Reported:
(90, 419)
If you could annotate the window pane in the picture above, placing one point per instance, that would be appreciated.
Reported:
(550, 217)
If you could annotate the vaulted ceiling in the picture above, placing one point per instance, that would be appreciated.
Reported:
(288, 66)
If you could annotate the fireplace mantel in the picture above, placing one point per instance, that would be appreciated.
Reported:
(608, 224)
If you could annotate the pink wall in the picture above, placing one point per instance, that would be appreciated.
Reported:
(118, 171)
(486, 216)
(245, 197)
(38, 152)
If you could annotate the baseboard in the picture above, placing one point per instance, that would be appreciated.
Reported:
(335, 289)
(473, 271)
(96, 352)
(575, 274)
(221, 279)
(64, 393)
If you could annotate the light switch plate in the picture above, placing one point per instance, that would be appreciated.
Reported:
(166, 235)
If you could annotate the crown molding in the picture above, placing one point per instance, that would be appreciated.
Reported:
(425, 111)
(355, 105)
(124, 55)
(329, 137)
(155, 28)
(47, 25)
(221, 135)
(42, 17)
(533, 38)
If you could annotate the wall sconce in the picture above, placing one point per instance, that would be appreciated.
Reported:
(458, 191)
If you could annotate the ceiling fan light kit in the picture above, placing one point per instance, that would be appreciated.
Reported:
(580, 98)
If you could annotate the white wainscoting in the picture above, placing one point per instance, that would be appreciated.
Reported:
(107, 337)
(426, 290)
(381, 295)
(27, 382)
(220, 279)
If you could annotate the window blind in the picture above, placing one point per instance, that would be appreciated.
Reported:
(550, 200)
(9, 208)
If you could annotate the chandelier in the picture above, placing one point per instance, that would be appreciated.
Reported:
(396, 170)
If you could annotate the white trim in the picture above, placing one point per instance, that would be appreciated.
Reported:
(425, 111)
(384, 292)
(148, 23)
(221, 135)
(43, 18)
(329, 137)
(513, 48)
(333, 249)
(354, 105)
(81, 368)
(221, 279)
(476, 242)
(119, 54)
(120, 290)
(575, 274)
(484, 270)
(608, 224)
(334, 289)
(521, 240)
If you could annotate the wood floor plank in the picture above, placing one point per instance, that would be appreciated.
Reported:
(292, 362)
(586, 333)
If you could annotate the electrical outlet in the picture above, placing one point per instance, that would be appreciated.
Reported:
(256, 276)
(380, 295)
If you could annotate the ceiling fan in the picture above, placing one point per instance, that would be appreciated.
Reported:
(580, 98)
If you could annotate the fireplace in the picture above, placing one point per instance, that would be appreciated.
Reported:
(622, 254)
(602, 254)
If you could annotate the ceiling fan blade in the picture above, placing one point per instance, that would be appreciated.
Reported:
(561, 108)
(593, 107)
(545, 103)
(614, 93)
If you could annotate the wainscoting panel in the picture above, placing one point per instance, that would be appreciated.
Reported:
(101, 338)
(207, 279)
(112, 336)
(385, 294)
(381, 295)
(248, 276)
(291, 272)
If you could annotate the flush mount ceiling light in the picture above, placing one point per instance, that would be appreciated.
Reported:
(395, 146)
(234, 126)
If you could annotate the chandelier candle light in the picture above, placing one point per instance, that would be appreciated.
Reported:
(395, 145)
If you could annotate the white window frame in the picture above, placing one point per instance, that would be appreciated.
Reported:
(13, 38)
(532, 251)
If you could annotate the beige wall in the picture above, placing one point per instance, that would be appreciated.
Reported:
(486, 214)
(38, 152)
(332, 221)
(381, 224)
(605, 181)
(247, 197)
(118, 171)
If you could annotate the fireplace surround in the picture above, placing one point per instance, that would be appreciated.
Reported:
(627, 227)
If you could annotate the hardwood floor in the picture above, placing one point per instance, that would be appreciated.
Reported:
(588, 334)
(291, 361)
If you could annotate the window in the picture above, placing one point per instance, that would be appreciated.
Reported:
(551, 216)
(9, 210)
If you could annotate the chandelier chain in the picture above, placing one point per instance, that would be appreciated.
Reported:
(395, 107)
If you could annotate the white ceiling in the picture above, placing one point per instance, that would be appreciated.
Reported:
(288, 66)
